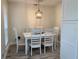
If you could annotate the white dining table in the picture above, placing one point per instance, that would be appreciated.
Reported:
(28, 35)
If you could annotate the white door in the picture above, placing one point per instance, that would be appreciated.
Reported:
(69, 40)
(69, 30)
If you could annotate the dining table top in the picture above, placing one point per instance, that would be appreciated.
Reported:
(29, 34)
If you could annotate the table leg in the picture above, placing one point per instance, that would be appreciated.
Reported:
(26, 46)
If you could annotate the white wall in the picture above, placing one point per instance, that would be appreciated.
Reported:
(48, 18)
(16, 19)
(58, 14)
(23, 15)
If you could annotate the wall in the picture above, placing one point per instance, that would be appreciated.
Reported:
(16, 19)
(23, 16)
(58, 14)
(48, 18)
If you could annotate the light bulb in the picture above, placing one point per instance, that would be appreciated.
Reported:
(38, 14)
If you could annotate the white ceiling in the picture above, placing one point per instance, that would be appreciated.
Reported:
(43, 2)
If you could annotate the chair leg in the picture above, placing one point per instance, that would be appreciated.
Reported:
(17, 49)
(44, 50)
(40, 50)
(52, 49)
(31, 51)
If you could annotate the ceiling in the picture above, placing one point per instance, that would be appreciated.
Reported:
(43, 2)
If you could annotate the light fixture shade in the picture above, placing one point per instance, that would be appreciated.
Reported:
(38, 14)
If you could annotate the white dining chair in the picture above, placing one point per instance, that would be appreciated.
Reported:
(35, 42)
(56, 41)
(48, 42)
(19, 42)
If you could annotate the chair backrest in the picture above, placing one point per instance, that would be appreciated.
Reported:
(56, 30)
(50, 30)
(36, 31)
(16, 35)
(49, 39)
(35, 40)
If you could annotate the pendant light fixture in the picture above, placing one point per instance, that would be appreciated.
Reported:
(38, 13)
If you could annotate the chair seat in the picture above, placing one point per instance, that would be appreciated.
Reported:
(47, 44)
(21, 42)
(35, 46)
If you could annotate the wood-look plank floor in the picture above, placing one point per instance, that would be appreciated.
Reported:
(36, 55)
